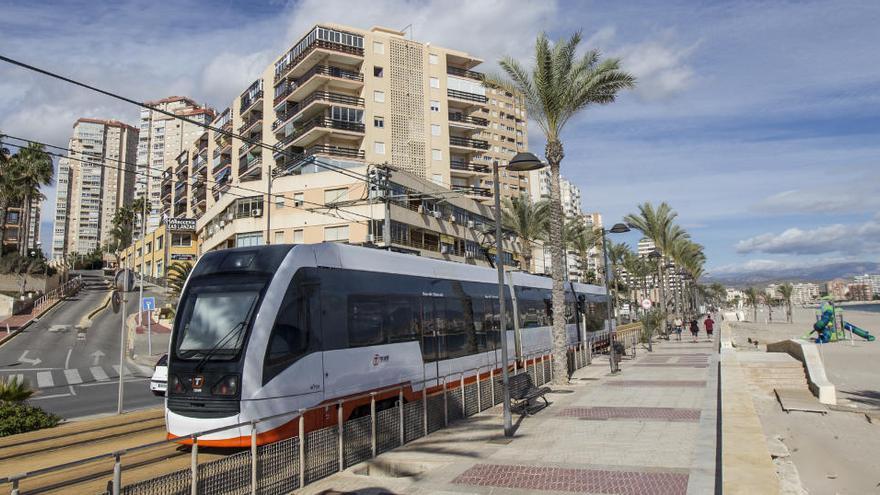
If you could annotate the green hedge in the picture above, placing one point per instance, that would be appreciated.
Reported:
(18, 417)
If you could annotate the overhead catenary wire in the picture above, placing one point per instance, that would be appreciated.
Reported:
(173, 115)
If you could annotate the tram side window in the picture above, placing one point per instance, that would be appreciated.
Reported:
(365, 321)
(534, 307)
(291, 337)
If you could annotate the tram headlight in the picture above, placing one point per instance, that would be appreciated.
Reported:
(227, 386)
(176, 384)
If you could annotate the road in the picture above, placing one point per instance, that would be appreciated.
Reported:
(75, 377)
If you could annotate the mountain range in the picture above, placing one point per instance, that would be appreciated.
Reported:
(820, 273)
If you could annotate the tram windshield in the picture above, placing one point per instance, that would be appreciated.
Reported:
(214, 322)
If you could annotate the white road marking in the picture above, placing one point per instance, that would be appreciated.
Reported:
(114, 382)
(44, 379)
(72, 376)
(67, 359)
(98, 373)
(116, 369)
(24, 359)
(53, 396)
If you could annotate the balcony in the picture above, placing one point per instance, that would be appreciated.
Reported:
(313, 52)
(455, 71)
(477, 192)
(464, 96)
(250, 169)
(465, 168)
(467, 122)
(178, 187)
(318, 99)
(248, 103)
(340, 151)
(318, 127)
(253, 119)
(318, 76)
(468, 144)
(248, 146)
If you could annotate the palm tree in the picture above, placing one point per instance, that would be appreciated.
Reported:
(559, 86)
(32, 168)
(582, 241)
(753, 298)
(528, 220)
(658, 225)
(12, 390)
(176, 274)
(786, 290)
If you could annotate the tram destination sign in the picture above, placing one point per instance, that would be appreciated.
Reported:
(181, 224)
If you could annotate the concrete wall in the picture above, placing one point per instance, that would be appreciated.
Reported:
(12, 283)
(808, 353)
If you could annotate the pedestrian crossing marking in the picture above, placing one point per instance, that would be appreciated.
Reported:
(72, 376)
(98, 373)
(44, 379)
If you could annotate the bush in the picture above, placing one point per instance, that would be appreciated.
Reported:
(14, 391)
(18, 417)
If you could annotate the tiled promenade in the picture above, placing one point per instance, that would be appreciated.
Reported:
(650, 429)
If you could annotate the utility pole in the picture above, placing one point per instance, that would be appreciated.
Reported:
(122, 338)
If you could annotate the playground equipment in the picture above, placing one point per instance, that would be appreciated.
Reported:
(858, 331)
(830, 326)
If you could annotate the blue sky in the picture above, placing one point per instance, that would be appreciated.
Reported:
(757, 121)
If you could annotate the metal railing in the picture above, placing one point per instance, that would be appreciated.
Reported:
(467, 119)
(68, 288)
(289, 464)
(248, 102)
(326, 45)
(341, 125)
(471, 167)
(464, 95)
(468, 143)
(328, 149)
(455, 71)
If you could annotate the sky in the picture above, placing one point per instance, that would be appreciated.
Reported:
(758, 122)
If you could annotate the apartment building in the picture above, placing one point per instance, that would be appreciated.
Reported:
(872, 280)
(836, 289)
(173, 242)
(804, 293)
(859, 292)
(16, 222)
(570, 197)
(161, 140)
(96, 177)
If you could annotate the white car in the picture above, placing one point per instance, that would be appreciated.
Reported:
(159, 380)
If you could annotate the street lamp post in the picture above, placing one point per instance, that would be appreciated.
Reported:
(618, 228)
(522, 162)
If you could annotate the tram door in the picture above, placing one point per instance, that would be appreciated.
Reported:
(433, 334)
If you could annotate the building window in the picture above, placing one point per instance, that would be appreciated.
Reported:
(297, 199)
(438, 179)
(435, 83)
(435, 129)
(378, 47)
(339, 233)
(379, 122)
(249, 239)
(378, 71)
(159, 267)
(379, 147)
(435, 106)
(335, 195)
(279, 237)
(160, 241)
(279, 201)
(436, 155)
(433, 59)
(379, 96)
(181, 240)
(149, 247)
(298, 236)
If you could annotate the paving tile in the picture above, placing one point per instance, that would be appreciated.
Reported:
(574, 480)
(656, 383)
(637, 413)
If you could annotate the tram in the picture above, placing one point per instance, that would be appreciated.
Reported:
(262, 331)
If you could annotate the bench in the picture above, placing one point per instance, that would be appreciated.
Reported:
(523, 392)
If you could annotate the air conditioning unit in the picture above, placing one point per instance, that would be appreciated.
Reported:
(452, 218)
(421, 209)
(229, 217)
(437, 214)
(256, 212)
(222, 224)
(471, 224)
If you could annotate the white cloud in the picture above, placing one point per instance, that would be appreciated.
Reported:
(837, 238)
(660, 65)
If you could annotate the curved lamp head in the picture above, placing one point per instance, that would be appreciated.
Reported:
(619, 228)
(524, 162)
(655, 254)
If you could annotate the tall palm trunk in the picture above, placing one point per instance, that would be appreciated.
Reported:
(664, 326)
(554, 153)
(24, 226)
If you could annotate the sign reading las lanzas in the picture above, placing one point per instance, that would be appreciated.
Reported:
(185, 224)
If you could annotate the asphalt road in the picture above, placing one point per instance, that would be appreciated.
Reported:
(75, 376)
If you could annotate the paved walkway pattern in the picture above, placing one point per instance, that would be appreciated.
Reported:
(650, 429)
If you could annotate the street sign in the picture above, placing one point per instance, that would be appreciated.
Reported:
(181, 224)
(149, 304)
(646, 303)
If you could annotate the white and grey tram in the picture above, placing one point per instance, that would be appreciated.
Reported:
(268, 330)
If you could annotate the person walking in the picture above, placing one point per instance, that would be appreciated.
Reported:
(677, 327)
(709, 323)
(695, 330)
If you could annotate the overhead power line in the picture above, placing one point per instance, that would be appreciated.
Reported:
(218, 130)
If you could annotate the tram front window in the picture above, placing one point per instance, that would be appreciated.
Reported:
(214, 323)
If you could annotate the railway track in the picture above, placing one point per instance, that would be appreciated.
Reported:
(74, 441)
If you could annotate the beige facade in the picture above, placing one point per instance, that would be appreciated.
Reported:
(162, 138)
(96, 178)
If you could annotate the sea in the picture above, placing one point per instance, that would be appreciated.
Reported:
(871, 308)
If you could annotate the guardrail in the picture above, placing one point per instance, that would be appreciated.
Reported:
(289, 464)
(70, 287)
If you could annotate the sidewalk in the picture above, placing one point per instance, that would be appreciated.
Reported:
(649, 430)
(138, 346)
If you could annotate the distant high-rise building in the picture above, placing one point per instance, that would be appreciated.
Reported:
(16, 222)
(95, 179)
(162, 138)
(804, 293)
(646, 246)
(871, 280)
(859, 292)
(836, 288)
